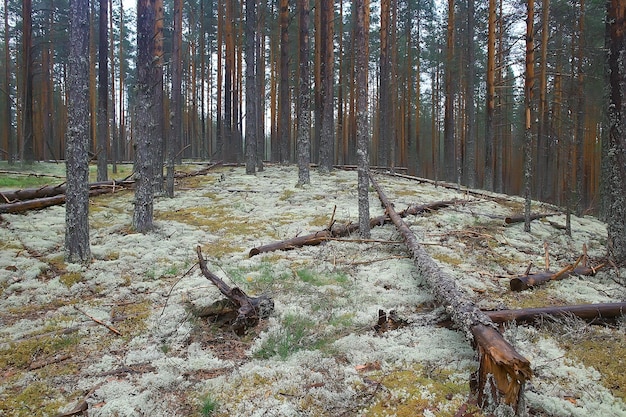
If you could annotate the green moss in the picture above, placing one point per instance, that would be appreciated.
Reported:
(131, 319)
(23, 353)
(606, 352)
(314, 278)
(70, 278)
(410, 392)
(37, 399)
(448, 259)
(286, 195)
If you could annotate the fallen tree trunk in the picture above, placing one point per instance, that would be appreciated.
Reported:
(342, 230)
(583, 311)
(503, 371)
(39, 203)
(533, 280)
(251, 309)
(520, 218)
(16, 196)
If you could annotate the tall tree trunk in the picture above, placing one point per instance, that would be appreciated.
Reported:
(251, 84)
(28, 149)
(8, 137)
(362, 122)
(260, 93)
(580, 193)
(157, 108)
(219, 132)
(542, 125)
(615, 150)
(449, 147)
(146, 125)
(175, 119)
(229, 71)
(103, 92)
(113, 118)
(304, 98)
(284, 106)
(384, 90)
(470, 159)
(327, 127)
(529, 81)
(77, 137)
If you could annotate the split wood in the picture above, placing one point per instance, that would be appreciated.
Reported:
(502, 372)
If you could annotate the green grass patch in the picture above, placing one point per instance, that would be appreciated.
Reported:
(316, 279)
(294, 335)
(71, 278)
(209, 406)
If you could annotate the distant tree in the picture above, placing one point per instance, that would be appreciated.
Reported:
(77, 137)
(449, 146)
(361, 31)
(8, 139)
(470, 154)
(284, 104)
(175, 119)
(251, 84)
(488, 182)
(385, 127)
(28, 150)
(103, 92)
(304, 98)
(146, 126)
(615, 150)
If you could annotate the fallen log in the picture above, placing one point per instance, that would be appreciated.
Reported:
(503, 371)
(520, 218)
(250, 309)
(533, 280)
(53, 190)
(583, 311)
(341, 230)
(39, 203)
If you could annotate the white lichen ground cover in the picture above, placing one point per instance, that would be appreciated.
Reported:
(318, 354)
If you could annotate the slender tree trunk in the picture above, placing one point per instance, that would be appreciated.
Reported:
(28, 149)
(229, 71)
(219, 132)
(157, 108)
(384, 90)
(284, 106)
(146, 125)
(9, 139)
(251, 84)
(529, 81)
(113, 118)
(304, 98)
(77, 137)
(327, 127)
(175, 119)
(470, 159)
(615, 149)
(362, 122)
(260, 94)
(449, 148)
(542, 131)
(580, 193)
(103, 92)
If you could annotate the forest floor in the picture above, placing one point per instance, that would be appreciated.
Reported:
(318, 354)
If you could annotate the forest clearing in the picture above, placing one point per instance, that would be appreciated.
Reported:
(123, 336)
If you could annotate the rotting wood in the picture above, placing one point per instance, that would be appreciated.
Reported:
(502, 371)
(341, 230)
(250, 310)
(54, 190)
(583, 311)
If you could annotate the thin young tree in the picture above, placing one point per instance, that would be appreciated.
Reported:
(449, 159)
(145, 125)
(283, 102)
(77, 137)
(488, 182)
(361, 31)
(7, 130)
(103, 92)
(614, 152)
(304, 98)
(327, 127)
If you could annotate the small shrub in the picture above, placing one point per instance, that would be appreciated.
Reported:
(209, 406)
(291, 338)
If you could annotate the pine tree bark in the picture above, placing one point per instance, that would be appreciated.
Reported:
(362, 123)
(146, 126)
(470, 154)
(7, 131)
(327, 127)
(384, 90)
(529, 81)
(284, 105)
(449, 160)
(615, 151)
(304, 98)
(77, 137)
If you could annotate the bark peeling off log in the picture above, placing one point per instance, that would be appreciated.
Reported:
(503, 371)
(583, 311)
(528, 281)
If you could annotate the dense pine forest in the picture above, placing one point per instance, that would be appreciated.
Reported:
(505, 96)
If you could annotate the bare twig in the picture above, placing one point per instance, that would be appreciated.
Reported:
(113, 329)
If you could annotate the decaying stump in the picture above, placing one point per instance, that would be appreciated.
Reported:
(503, 371)
(583, 311)
(336, 230)
(249, 309)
